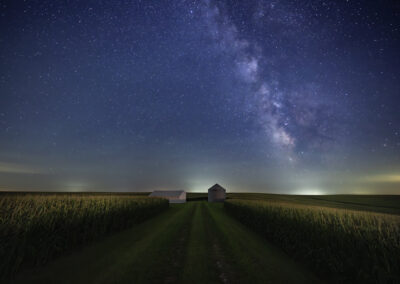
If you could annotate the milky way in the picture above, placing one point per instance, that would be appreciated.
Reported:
(273, 96)
(284, 115)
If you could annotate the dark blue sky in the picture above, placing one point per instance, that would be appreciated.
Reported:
(274, 96)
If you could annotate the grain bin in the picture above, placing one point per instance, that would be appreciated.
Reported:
(216, 193)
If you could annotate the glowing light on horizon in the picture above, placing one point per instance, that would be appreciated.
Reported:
(75, 186)
(310, 191)
(202, 185)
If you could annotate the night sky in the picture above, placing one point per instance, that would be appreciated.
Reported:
(264, 96)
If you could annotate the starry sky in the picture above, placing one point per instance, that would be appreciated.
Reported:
(298, 97)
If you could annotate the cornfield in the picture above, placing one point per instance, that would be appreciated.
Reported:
(36, 228)
(339, 245)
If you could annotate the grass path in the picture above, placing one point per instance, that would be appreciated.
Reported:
(194, 242)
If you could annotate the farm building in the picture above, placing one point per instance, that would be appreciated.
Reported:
(178, 196)
(216, 193)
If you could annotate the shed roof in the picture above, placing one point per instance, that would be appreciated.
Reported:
(217, 187)
(167, 193)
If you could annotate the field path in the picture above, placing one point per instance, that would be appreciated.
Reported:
(194, 242)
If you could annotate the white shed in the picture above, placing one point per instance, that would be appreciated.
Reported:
(178, 196)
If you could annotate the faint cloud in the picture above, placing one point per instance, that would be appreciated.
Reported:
(385, 178)
(14, 168)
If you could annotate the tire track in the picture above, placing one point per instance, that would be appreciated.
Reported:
(224, 269)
